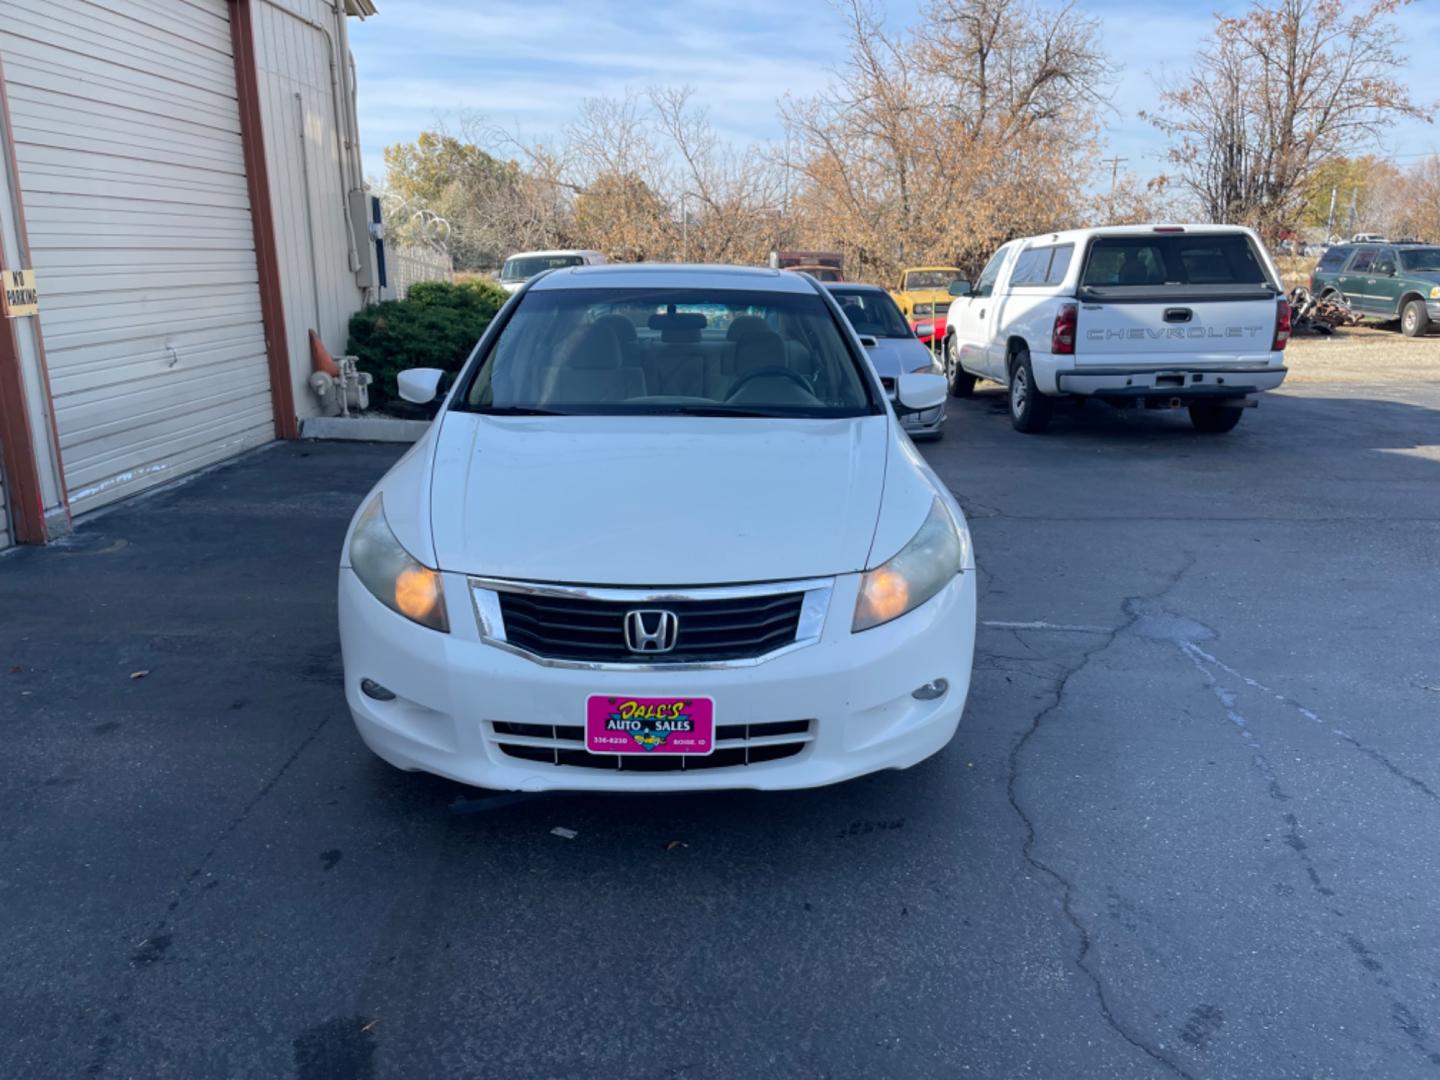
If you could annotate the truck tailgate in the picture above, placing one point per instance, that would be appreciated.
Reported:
(1217, 332)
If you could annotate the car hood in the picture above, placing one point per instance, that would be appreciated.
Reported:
(655, 500)
(894, 356)
(927, 296)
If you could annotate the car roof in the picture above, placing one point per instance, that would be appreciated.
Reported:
(1075, 236)
(1401, 244)
(853, 286)
(553, 251)
(674, 275)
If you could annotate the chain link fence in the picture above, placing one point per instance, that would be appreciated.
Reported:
(412, 263)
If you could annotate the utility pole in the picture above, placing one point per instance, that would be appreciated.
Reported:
(1115, 163)
(1330, 218)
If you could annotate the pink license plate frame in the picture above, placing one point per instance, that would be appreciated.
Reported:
(635, 724)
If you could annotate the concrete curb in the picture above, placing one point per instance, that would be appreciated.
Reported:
(362, 428)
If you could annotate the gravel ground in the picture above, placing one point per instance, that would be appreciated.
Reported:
(1364, 354)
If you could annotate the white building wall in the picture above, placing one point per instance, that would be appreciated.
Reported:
(312, 153)
(127, 133)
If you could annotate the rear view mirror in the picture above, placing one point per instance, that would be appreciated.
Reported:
(678, 321)
(959, 288)
(419, 385)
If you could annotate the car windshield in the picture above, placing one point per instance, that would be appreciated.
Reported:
(873, 313)
(1421, 258)
(931, 279)
(669, 352)
(527, 266)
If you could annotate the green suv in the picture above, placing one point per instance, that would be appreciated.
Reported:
(1384, 280)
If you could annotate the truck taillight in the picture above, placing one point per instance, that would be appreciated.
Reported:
(1282, 325)
(1062, 337)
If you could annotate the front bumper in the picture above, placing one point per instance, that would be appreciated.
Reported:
(929, 422)
(854, 689)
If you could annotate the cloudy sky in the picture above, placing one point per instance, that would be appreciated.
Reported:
(526, 63)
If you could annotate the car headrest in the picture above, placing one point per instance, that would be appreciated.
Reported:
(746, 325)
(595, 348)
(622, 327)
(759, 350)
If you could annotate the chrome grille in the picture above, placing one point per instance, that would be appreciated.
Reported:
(586, 626)
(736, 746)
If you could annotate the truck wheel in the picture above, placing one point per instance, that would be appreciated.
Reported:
(1415, 320)
(1215, 419)
(1029, 409)
(962, 383)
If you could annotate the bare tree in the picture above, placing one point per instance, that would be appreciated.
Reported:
(1276, 92)
(1406, 204)
(938, 145)
(733, 194)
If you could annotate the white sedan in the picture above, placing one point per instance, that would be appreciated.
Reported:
(665, 533)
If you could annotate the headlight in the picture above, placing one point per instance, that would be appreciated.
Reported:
(924, 566)
(392, 575)
(924, 309)
(1435, 293)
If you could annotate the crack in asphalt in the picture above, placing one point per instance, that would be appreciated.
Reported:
(1028, 848)
(1196, 653)
(1168, 627)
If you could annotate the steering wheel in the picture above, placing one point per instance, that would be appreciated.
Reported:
(770, 372)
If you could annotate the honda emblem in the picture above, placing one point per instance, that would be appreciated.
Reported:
(653, 631)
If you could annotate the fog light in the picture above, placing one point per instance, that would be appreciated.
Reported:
(931, 690)
(372, 689)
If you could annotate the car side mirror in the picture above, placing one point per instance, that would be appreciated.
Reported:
(924, 329)
(419, 385)
(1386, 269)
(919, 392)
(959, 288)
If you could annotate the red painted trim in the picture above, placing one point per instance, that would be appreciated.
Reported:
(262, 218)
(22, 473)
(22, 478)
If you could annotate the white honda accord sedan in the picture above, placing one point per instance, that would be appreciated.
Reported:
(665, 533)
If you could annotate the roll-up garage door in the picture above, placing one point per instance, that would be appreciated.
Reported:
(127, 134)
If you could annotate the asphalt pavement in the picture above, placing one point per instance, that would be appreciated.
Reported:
(1188, 827)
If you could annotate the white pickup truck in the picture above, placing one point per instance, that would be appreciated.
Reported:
(1156, 316)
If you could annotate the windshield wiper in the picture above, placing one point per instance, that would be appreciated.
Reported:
(731, 410)
(519, 410)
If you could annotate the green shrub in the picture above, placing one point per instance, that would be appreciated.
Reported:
(436, 325)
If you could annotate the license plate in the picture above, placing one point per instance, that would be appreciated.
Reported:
(619, 724)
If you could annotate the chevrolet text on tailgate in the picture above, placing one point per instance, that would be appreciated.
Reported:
(1155, 316)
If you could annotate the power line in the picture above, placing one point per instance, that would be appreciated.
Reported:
(1115, 163)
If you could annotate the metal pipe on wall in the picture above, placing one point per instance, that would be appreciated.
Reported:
(342, 133)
